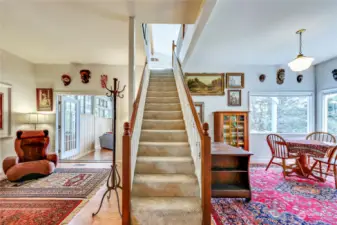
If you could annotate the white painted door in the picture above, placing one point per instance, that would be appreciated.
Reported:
(70, 127)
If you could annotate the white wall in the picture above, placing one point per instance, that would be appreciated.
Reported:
(324, 82)
(20, 74)
(258, 144)
(49, 76)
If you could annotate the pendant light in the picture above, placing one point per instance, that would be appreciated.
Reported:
(301, 62)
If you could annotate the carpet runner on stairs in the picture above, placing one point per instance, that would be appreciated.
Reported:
(165, 189)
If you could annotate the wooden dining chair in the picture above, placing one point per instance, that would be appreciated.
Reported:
(330, 162)
(321, 136)
(279, 150)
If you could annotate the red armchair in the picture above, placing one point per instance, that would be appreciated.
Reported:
(32, 158)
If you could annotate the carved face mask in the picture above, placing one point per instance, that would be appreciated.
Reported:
(85, 76)
(66, 79)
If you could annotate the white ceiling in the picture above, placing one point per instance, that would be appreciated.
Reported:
(262, 32)
(83, 31)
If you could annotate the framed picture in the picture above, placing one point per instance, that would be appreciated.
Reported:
(1, 110)
(199, 106)
(235, 80)
(5, 110)
(205, 84)
(44, 99)
(234, 97)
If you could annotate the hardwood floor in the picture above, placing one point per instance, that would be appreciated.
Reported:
(99, 155)
(109, 212)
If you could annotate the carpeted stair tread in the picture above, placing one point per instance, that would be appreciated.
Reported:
(164, 165)
(164, 159)
(178, 144)
(163, 204)
(164, 149)
(165, 178)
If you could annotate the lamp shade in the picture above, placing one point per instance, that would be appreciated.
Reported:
(300, 63)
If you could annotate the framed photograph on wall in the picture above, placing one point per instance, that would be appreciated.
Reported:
(205, 83)
(235, 80)
(199, 106)
(44, 99)
(5, 110)
(234, 98)
(1, 110)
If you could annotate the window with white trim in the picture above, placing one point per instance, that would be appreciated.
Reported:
(285, 112)
(330, 112)
(103, 107)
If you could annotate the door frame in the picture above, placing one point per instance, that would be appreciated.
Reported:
(59, 142)
(58, 95)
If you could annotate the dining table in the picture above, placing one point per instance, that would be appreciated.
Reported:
(306, 149)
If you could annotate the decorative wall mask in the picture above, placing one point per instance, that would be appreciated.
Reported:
(280, 76)
(334, 74)
(299, 78)
(85, 76)
(66, 79)
(262, 77)
(104, 80)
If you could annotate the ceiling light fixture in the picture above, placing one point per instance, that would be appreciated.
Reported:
(301, 62)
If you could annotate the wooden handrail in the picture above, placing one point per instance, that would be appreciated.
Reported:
(205, 150)
(136, 102)
(188, 93)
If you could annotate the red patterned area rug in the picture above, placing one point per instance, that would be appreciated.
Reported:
(293, 201)
(63, 183)
(38, 212)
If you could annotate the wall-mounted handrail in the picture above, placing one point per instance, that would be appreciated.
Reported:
(198, 138)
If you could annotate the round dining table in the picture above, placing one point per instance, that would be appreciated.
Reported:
(306, 148)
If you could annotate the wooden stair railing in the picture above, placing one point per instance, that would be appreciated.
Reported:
(204, 146)
(127, 172)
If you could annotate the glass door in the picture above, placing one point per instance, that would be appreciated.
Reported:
(70, 125)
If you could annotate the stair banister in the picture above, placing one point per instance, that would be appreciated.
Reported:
(198, 138)
(131, 138)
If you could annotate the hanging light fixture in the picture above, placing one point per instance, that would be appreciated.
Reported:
(301, 62)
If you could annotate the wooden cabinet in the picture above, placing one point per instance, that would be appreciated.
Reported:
(232, 128)
(230, 172)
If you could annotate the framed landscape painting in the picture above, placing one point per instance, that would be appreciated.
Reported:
(205, 83)
(44, 99)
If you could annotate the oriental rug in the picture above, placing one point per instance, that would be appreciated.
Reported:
(63, 183)
(38, 212)
(275, 200)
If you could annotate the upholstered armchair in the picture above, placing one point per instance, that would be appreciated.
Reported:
(32, 158)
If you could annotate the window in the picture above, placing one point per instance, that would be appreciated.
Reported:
(281, 113)
(85, 104)
(103, 107)
(330, 113)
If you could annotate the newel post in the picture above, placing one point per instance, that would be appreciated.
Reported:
(126, 175)
(206, 175)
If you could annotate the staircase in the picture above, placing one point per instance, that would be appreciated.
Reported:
(165, 189)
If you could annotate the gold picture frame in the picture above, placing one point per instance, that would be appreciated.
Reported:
(235, 80)
(205, 83)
